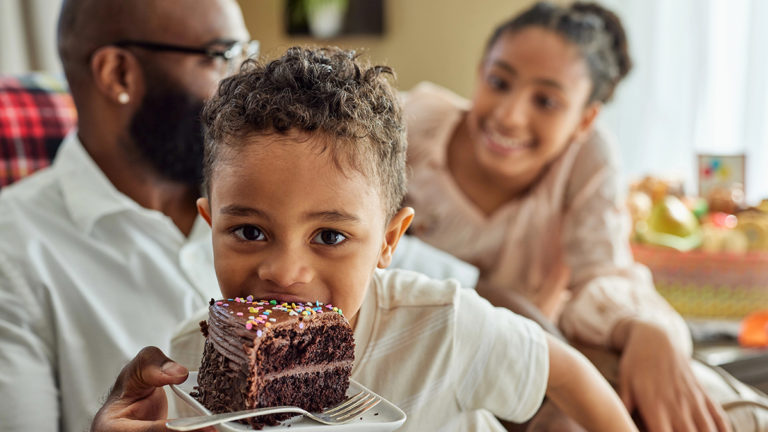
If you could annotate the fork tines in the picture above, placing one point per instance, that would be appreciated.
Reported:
(353, 406)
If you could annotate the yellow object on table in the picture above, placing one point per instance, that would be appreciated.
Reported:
(755, 227)
(670, 224)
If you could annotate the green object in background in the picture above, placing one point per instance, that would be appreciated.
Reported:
(699, 207)
(671, 224)
(313, 6)
(322, 18)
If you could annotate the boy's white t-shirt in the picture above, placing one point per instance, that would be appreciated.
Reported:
(441, 353)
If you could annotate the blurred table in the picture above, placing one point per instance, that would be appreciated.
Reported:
(715, 343)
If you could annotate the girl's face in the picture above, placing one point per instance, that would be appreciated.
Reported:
(530, 101)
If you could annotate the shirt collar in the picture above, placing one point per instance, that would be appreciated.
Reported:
(88, 193)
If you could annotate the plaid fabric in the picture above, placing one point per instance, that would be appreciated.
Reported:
(36, 112)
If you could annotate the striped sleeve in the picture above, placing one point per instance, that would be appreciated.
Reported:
(501, 359)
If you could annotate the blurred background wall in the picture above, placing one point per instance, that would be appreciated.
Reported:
(28, 36)
(438, 40)
(699, 83)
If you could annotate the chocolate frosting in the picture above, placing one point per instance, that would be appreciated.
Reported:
(237, 326)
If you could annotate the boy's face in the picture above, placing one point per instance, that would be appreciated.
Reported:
(289, 225)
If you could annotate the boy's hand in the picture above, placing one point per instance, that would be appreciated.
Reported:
(137, 400)
(657, 380)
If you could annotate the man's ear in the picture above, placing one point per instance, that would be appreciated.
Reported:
(588, 117)
(117, 75)
(395, 229)
(204, 208)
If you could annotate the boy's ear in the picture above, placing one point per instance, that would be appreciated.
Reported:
(395, 229)
(204, 208)
(588, 117)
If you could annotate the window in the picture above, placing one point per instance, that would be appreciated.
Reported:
(699, 86)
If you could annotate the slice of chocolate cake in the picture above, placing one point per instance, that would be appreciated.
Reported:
(266, 353)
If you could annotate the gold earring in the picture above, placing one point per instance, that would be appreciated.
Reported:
(123, 98)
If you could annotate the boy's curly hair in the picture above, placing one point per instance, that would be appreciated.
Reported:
(325, 90)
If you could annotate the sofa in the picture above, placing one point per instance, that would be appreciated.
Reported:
(36, 112)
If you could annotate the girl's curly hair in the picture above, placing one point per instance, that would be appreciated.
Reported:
(597, 32)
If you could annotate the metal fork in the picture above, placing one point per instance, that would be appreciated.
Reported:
(342, 413)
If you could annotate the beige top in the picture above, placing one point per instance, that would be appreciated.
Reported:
(563, 245)
(440, 352)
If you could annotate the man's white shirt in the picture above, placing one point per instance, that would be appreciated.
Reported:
(88, 277)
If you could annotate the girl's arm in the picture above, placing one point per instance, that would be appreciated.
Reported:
(608, 286)
(578, 389)
(616, 305)
(517, 303)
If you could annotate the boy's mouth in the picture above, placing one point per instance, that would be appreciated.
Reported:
(284, 298)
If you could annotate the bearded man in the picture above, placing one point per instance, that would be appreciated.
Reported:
(103, 253)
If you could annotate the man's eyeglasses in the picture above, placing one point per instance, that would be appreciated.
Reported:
(232, 54)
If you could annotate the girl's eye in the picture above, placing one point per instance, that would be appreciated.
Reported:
(496, 83)
(545, 102)
(249, 233)
(329, 237)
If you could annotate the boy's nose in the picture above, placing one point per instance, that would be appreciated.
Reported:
(285, 267)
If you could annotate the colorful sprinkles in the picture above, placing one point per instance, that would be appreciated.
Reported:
(261, 310)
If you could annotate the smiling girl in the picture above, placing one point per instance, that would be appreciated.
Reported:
(518, 182)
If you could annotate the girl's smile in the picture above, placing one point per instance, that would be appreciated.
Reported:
(530, 102)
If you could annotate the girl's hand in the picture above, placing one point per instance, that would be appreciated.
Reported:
(657, 380)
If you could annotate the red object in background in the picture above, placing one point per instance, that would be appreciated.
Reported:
(723, 220)
(36, 112)
(754, 330)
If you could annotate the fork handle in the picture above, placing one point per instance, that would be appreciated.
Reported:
(193, 423)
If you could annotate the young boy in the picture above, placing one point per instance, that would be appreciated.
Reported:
(305, 172)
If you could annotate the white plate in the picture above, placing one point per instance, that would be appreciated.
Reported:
(384, 417)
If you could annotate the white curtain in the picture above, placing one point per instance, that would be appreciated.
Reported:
(28, 36)
(698, 86)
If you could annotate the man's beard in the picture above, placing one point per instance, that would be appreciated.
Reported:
(166, 131)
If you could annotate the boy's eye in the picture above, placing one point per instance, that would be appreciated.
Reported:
(249, 233)
(329, 237)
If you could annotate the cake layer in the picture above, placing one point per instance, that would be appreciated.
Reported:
(312, 391)
(224, 388)
(261, 353)
(314, 346)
